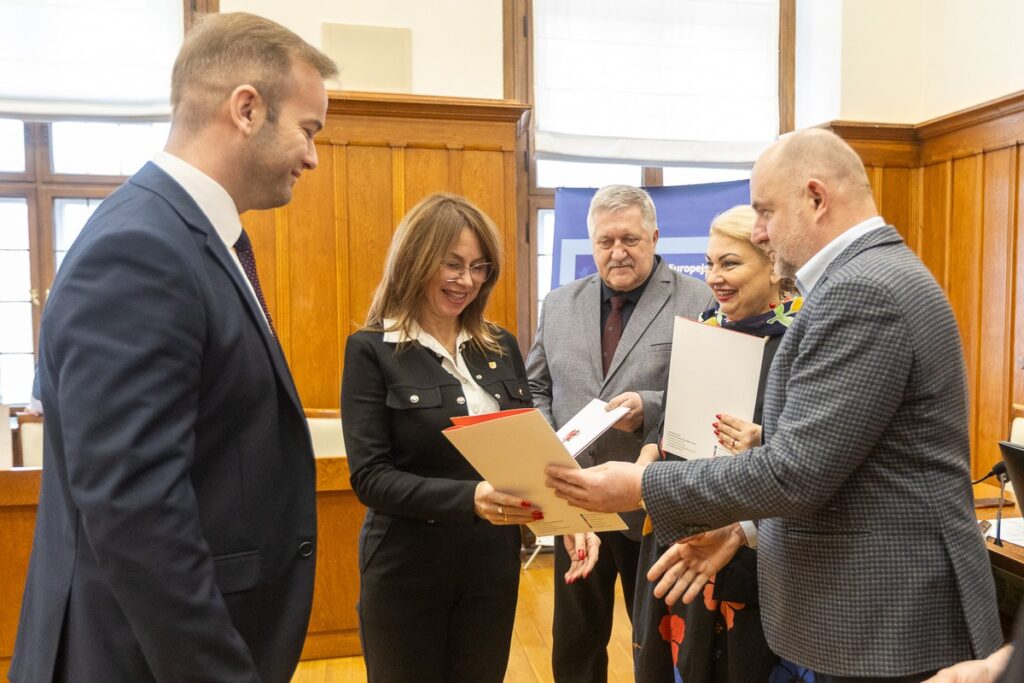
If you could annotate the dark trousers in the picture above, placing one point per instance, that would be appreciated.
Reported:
(584, 610)
(912, 678)
(437, 602)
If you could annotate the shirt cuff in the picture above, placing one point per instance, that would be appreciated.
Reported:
(750, 531)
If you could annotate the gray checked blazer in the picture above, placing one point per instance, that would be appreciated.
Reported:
(870, 561)
(564, 365)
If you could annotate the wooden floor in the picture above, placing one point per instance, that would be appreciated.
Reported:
(530, 659)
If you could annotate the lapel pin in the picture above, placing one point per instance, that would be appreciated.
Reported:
(492, 364)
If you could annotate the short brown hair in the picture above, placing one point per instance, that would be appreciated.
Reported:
(426, 237)
(224, 51)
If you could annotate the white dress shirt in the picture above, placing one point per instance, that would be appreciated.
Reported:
(812, 271)
(478, 400)
(215, 202)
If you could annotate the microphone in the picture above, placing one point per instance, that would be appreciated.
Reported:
(998, 470)
(1002, 497)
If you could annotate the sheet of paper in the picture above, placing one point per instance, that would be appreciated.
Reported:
(1012, 532)
(588, 424)
(712, 371)
(510, 449)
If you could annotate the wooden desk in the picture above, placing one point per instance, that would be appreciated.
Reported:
(333, 625)
(1007, 561)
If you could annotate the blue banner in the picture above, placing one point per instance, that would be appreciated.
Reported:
(684, 215)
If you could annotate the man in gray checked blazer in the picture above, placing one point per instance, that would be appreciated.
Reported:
(566, 371)
(870, 562)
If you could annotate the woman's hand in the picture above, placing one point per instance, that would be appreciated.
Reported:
(688, 564)
(501, 508)
(737, 435)
(583, 551)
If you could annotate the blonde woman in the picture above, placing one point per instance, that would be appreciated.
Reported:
(439, 548)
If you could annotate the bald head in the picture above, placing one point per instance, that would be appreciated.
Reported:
(807, 189)
(821, 154)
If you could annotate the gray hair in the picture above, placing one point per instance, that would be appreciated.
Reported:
(612, 198)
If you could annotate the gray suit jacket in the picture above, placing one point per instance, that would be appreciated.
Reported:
(870, 561)
(564, 365)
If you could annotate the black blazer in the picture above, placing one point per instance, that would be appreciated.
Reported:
(394, 405)
(177, 516)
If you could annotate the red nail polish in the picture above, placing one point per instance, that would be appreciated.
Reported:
(718, 417)
(581, 555)
(715, 425)
(525, 504)
(716, 432)
(721, 442)
(538, 515)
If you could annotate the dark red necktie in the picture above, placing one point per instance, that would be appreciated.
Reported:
(612, 332)
(243, 248)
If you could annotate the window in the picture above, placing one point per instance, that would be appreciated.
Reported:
(590, 120)
(42, 211)
(15, 302)
(54, 175)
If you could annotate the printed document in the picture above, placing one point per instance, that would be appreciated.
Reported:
(511, 448)
(713, 371)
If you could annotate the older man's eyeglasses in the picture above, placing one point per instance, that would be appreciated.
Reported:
(478, 272)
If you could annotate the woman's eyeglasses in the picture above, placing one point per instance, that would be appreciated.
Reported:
(453, 270)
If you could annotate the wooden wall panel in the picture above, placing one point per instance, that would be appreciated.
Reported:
(994, 324)
(321, 257)
(426, 172)
(1017, 296)
(960, 196)
(933, 247)
(368, 203)
(964, 289)
(480, 170)
(312, 292)
(896, 201)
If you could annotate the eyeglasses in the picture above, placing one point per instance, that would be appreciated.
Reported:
(453, 270)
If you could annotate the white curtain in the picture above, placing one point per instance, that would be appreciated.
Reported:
(88, 58)
(656, 81)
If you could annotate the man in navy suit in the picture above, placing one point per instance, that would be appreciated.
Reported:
(177, 519)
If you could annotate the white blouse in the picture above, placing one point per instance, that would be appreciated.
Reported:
(478, 400)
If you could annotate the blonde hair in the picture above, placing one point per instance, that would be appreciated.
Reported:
(426, 237)
(224, 51)
(738, 223)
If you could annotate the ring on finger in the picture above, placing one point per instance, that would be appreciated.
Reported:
(501, 511)
(734, 443)
(505, 516)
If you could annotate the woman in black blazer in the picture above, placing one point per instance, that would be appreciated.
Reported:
(439, 548)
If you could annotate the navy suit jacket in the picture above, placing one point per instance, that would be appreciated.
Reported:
(176, 523)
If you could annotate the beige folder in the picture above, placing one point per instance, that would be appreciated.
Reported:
(510, 449)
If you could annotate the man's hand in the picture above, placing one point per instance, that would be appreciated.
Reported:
(611, 487)
(684, 569)
(583, 552)
(978, 671)
(634, 419)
